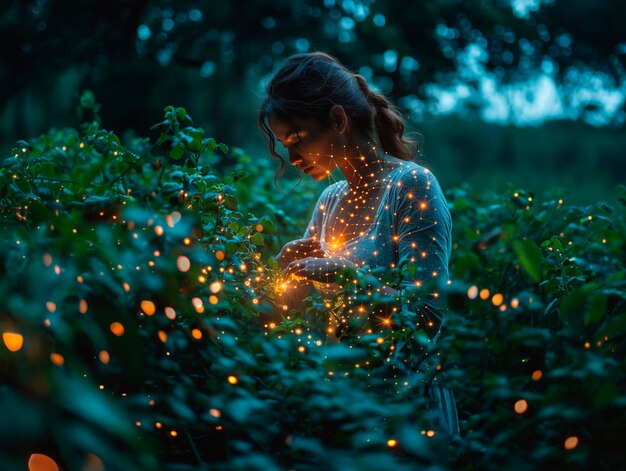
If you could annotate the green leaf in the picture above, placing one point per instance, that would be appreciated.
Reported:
(177, 151)
(529, 256)
(268, 225)
(596, 308)
(257, 239)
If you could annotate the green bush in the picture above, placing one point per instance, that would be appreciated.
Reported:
(142, 288)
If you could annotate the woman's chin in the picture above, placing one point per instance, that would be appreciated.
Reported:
(317, 176)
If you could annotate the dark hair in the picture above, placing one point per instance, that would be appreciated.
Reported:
(308, 85)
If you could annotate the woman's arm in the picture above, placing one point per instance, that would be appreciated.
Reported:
(424, 239)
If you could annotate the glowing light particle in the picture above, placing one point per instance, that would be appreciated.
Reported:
(174, 433)
(104, 357)
(158, 230)
(117, 329)
(259, 227)
(497, 299)
(162, 336)
(13, 341)
(82, 306)
(521, 406)
(52, 307)
(571, 442)
(57, 359)
(391, 443)
(215, 287)
(537, 374)
(47, 260)
(183, 263)
(170, 313)
(40, 462)
(213, 299)
(215, 413)
(148, 307)
(484, 293)
(220, 255)
(233, 380)
(196, 334)
(126, 287)
(430, 433)
(198, 305)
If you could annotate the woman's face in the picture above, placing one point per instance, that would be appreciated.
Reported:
(311, 146)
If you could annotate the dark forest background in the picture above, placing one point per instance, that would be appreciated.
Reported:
(523, 91)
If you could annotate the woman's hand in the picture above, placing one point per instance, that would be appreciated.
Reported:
(323, 270)
(299, 249)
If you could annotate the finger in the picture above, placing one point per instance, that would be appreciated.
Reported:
(295, 266)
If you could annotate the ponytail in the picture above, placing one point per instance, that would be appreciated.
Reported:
(388, 124)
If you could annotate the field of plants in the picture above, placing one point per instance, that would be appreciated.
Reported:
(141, 328)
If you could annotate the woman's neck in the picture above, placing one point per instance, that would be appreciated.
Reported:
(364, 165)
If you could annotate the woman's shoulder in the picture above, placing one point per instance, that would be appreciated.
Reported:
(334, 190)
(410, 174)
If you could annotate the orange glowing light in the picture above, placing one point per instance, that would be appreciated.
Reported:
(183, 263)
(52, 307)
(13, 341)
(537, 374)
(392, 443)
(198, 305)
(162, 336)
(259, 227)
(521, 406)
(170, 313)
(57, 359)
(213, 299)
(497, 299)
(126, 287)
(196, 334)
(571, 442)
(187, 241)
(215, 287)
(148, 307)
(215, 413)
(40, 462)
(104, 357)
(220, 255)
(174, 433)
(82, 306)
(430, 433)
(47, 260)
(484, 293)
(117, 329)
(158, 230)
(233, 380)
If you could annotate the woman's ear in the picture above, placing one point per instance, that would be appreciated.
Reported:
(338, 118)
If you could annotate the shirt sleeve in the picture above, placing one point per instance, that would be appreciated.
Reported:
(423, 236)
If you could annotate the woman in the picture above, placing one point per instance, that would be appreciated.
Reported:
(387, 210)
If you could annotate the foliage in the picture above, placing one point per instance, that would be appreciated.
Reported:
(143, 289)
